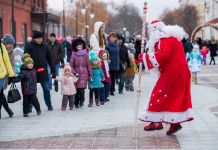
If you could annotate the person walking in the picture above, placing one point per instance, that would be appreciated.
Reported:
(28, 80)
(57, 53)
(170, 100)
(97, 39)
(81, 68)
(204, 52)
(41, 56)
(213, 50)
(114, 65)
(6, 70)
(68, 89)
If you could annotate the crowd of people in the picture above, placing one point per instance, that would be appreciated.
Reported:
(103, 63)
(100, 65)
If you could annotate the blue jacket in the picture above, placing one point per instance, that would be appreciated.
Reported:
(114, 53)
(97, 76)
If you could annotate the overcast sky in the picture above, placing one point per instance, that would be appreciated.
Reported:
(155, 7)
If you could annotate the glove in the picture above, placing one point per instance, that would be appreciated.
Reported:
(53, 76)
(11, 80)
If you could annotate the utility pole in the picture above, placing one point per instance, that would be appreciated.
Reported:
(13, 25)
(64, 29)
(76, 21)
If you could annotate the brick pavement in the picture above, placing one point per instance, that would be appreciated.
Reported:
(114, 138)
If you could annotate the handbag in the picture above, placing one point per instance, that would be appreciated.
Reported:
(13, 94)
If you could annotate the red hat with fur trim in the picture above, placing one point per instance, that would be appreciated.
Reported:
(156, 25)
(101, 52)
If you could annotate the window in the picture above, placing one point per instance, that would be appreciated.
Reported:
(1, 28)
(38, 3)
(24, 32)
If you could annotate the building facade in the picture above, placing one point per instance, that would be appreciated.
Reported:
(28, 15)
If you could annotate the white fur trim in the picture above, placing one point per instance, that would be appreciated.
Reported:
(106, 68)
(153, 60)
(165, 32)
(168, 117)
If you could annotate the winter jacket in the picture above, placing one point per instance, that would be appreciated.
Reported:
(94, 39)
(204, 52)
(81, 66)
(67, 84)
(57, 52)
(5, 64)
(41, 56)
(68, 49)
(28, 80)
(105, 69)
(124, 58)
(130, 72)
(97, 77)
(213, 49)
(114, 53)
(194, 61)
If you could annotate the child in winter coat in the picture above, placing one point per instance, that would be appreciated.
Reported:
(104, 91)
(195, 62)
(204, 52)
(130, 73)
(28, 80)
(95, 83)
(68, 89)
(81, 67)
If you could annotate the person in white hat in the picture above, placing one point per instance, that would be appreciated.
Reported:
(170, 100)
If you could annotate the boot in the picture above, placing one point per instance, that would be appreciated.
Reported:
(90, 103)
(97, 102)
(10, 112)
(153, 126)
(174, 128)
(56, 86)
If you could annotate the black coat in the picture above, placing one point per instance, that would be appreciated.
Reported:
(67, 47)
(41, 56)
(213, 49)
(28, 80)
(124, 58)
(57, 52)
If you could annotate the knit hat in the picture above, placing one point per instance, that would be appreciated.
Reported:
(8, 39)
(53, 35)
(120, 37)
(101, 52)
(67, 67)
(79, 43)
(37, 34)
(93, 56)
(26, 59)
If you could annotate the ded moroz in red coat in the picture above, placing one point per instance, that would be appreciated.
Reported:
(170, 100)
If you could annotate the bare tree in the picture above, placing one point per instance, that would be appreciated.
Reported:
(127, 16)
(185, 16)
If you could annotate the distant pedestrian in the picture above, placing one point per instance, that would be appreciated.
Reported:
(114, 65)
(130, 74)
(57, 53)
(204, 52)
(81, 67)
(213, 50)
(41, 56)
(194, 63)
(95, 83)
(28, 80)
(68, 89)
(66, 44)
(104, 92)
(97, 39)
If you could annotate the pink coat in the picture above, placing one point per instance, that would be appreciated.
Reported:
(67, 85)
